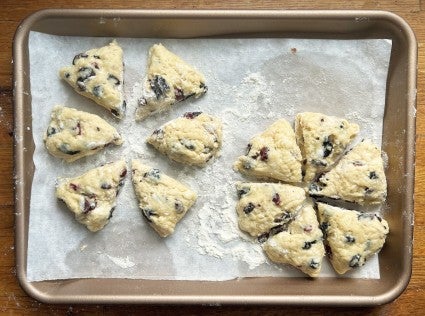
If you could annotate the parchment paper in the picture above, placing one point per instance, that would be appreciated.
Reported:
(252, 83)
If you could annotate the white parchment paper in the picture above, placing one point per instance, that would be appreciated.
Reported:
(252, 83)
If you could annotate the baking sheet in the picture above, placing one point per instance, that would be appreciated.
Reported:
(252, 82)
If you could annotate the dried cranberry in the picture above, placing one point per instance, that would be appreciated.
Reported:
(123, 173)
(106, 186)
(276, 199)
(73, 186)
(178, 94)
(264, 153)
(89, 205)
(191, 115)
(308, 228)
(78, 128)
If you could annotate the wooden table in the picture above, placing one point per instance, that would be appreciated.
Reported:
(14, 300)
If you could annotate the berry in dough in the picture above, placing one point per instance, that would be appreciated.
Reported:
(169, 80)
(74, 134)
(163, 200)
(273, 154)
(264, 208)
(358, 177)
(192, 139)
(98, 75)
(300, 244)
(322, 140)
(92, 196)
(352, 237)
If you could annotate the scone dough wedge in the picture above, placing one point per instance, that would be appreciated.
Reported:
(74, 134)
(273, 154)
(264, 208)
(352, 237)
(300, 245)
(163, 200)
(92, 196)
(192, 139)
(358, 177)
(98, 75)
(322, 140)
(169, 80)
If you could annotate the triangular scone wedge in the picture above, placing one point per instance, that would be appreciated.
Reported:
(74, 134)
(322, 140)
(169, 80)
(351, 237)
(264, 208)
(300, 245)
(273, 154)
(192, 139)
(98, 75)
(358, 177)
(163, 200)
(92, 196)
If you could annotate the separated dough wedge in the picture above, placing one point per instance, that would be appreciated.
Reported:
(353, 237)
(98, 75)
(264, 208)
(92, 196)
(74, 134)
(300, 245)
(169, 80)
(322, 140)
(192, 139)
(358, 177)
(273, 154)
(163, 200)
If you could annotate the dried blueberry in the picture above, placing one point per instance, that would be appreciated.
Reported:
(358, 163)
(191, 115)
(277, 229)
(67, 75)
(319, 163)
(85, 73)
(373, 175)
(350, 239)
(314, 264)
(368, 191)
(285, 217)
(78, 56)
(159, 86)
(111, 212)
(263, 237)
(114, 80)
(159, 133)
(106, 186)
(96, 56)
(314, 187)
(327, 146)
(187, 143)
(307, 244)
(148, 213)
(115, 113)
(249, 208)
(178, 206)
(142, 102)
(51, 131)
(243, 191)
(203, 86)
(355, 261)
(65, 149)
(248, 149)
(98, 91)
(276, 199)
(153, 173)
(328, 251)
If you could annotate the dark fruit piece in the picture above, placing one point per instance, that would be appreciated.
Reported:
(106, 186)
(51, 131)
(355, 261)
(178, 206)
(307, 244)
(249, 208)
(191, 115)
(264, 153)
(159, 86)
(78, 56)
(98, 91)
(276, 199)
(89, 205)
(148, 213)
(327, 146)
(242, 192)
(114, 80)
(153, 173)
(65, 149)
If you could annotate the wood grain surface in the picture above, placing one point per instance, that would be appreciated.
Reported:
(14, 301)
